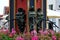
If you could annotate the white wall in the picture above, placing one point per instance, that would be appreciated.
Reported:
(55, 3)
(58, 3)
(3, 3)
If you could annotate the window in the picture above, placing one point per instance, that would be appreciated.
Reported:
(51, 7)
(59, 6)
(31, 3)
(59, 22)
(54, 20)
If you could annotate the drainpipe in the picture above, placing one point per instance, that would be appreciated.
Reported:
(11, 14)
(44, 14)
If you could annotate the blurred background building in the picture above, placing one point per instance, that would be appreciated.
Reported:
(53, 12)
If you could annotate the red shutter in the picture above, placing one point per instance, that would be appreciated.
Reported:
(38, 4)
(20, 4)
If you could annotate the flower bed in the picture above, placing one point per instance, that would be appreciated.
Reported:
(42, 35)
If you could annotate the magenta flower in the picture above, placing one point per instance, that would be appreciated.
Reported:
(19, 38)
(35, 38)
(13, 31)
(53, 37)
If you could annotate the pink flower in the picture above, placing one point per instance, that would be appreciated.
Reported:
(19, 38)
(13, 31)
(41, 32)
(35, 38)
(46, 32)
(53, 37)
(0, 31)
(4, 31)
(33, 33)
(52, 32)
(11, 35)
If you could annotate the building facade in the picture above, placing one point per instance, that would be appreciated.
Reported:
(54, 5)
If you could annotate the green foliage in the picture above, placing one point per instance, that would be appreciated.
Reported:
(50, 35)
(5, 37)
(57, 35)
